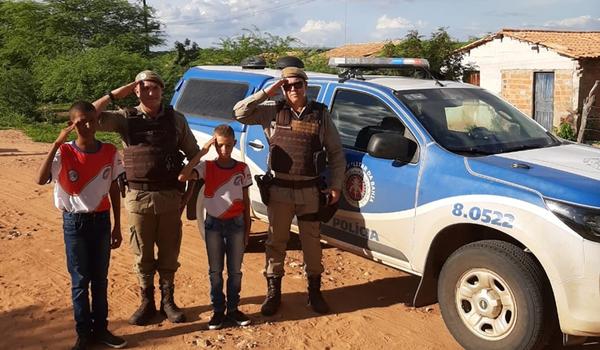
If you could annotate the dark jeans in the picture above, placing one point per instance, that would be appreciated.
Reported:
(225, 237)
(87, 243)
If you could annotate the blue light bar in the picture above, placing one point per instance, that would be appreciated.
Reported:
(377, 62)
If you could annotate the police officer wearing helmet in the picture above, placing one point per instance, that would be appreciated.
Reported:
(153, 136)
(301, 135)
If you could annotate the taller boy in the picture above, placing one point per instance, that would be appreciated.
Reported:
(153, 136)
(84, 172)
(298, 130)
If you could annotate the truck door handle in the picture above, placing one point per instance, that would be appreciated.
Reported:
(256, 144)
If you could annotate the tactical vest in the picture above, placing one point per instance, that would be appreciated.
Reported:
(152, 155)
(295, 144)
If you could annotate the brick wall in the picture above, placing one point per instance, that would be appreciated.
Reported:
(517, 88)
(563, 94)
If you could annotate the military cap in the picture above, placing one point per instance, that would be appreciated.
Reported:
(151, 76)
(291, 72)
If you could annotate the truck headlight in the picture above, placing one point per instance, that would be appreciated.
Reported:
(584, 221)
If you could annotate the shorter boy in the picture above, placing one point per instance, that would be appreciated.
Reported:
(84, 173)
(227, 223)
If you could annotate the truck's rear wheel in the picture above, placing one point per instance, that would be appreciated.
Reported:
(491, 297)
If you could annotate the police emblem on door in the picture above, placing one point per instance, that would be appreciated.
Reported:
(359, 187)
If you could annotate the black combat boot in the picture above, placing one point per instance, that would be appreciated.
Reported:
(147, 309)
(315, 298)
(167, 304)
(273, 300)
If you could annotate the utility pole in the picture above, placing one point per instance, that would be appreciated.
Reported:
(345, 22)
(146, 26)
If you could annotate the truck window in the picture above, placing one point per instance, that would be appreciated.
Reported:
(358, 116)
(210, 98)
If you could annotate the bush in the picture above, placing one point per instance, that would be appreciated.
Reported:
(566, 131)
(87, 75)
(17, 95)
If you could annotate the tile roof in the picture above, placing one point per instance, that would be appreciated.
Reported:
(568, 43)
(356, 50)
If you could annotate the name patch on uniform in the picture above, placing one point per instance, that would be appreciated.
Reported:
(305, 127)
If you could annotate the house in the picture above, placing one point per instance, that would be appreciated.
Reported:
(358, 50)
(546, 74)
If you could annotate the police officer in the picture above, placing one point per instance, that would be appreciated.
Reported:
(300, 134)
(153, 136)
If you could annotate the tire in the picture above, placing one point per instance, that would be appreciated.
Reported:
(491, 294)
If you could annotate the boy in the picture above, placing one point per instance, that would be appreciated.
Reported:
(84, 173)
(227, 223)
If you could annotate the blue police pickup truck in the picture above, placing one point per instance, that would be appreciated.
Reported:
(499, 218)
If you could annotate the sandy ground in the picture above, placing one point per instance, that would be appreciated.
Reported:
(370, 302)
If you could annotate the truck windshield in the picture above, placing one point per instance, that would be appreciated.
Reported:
(474, 122)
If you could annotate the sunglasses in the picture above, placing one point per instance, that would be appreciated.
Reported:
(297, 86)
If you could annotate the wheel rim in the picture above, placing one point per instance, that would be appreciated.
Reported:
(486, 304)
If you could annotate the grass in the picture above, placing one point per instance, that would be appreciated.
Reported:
(48, 131)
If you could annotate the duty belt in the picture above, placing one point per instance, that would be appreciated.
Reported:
(296, 184)
(155, 186)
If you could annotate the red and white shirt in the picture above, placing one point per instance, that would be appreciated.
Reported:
(82, 180)
(223, 188)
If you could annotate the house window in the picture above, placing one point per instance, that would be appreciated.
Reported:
(471, 77)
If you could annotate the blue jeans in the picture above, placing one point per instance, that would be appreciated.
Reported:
(87, 243)
(224, 237)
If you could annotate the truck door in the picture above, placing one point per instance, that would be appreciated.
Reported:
(376, 215)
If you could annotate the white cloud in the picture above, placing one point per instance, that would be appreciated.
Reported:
(388, 28)
(205, 21)
(320, 33)
(581, 23)
(315, 26)
(386, 23)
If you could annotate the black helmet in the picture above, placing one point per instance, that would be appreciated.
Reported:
(253, 62)
(289, 61)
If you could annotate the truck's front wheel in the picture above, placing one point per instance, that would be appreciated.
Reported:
(491, 297)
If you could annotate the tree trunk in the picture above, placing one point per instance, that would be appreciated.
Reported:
(587, 107)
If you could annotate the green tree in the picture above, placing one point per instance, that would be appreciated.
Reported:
(439, 50)
(252, 43)
(24, 34)
(97, 23)
(86, 75)
(32, 30)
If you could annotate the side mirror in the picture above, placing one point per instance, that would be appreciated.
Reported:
(392, 145)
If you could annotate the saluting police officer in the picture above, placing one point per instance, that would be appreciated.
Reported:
(153, 136)
(300, 134)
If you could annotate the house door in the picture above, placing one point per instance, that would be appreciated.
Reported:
(543, 111)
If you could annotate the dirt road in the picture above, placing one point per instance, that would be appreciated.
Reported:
(369, 301)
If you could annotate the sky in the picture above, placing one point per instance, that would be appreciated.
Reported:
(321, 23)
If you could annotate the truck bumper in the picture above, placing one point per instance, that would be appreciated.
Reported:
(581, 313)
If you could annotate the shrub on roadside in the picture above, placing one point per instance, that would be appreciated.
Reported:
(17, 96)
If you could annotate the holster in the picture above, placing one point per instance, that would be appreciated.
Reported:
(264, 183)
(319, 161)
(122, 183)
(190, 209)
(326, 209)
